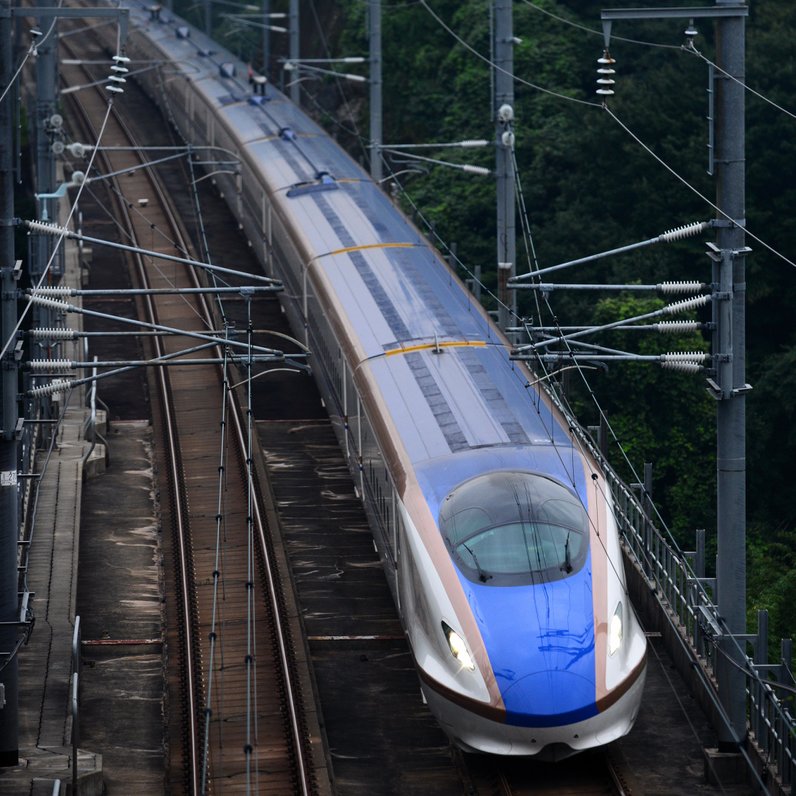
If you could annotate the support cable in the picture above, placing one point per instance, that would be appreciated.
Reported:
(252, 747)
(692, 188)
(34, 45)
(598, 32)
(497, 68)
(689, 48)
(218, 581)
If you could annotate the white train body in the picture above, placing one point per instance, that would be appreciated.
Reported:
(494, 525)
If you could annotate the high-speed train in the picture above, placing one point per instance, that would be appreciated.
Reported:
(494, 524)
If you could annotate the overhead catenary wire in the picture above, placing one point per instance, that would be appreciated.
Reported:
(605, 107)
(215, 277)
(694, 190)
(34, 45)
(497, 68)
(567, 411)
(597, 32)
(339, 81)
(217, 618)
(693, 51)
(580, 367)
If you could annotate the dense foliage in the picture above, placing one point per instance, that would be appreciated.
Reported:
(587, 186)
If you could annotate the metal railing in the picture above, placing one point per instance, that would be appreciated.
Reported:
(685, 596)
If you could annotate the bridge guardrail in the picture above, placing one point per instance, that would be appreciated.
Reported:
(686, 599)
(683, 594)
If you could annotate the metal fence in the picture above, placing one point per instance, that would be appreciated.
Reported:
(685, 595)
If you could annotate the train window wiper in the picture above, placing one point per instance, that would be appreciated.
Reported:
(567, 565)
(482, 576)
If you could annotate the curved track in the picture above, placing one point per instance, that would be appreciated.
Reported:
(240, 726)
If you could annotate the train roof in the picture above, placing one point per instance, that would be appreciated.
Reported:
(440, 367)
(432, 358)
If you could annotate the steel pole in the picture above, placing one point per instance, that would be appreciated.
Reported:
(9, 520)
(266, 36)
(46, 71)
(503, 112)
(375, 91)
(295, 88)
(731, 424)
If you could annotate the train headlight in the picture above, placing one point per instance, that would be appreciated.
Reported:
(458, 648)
(615, 630)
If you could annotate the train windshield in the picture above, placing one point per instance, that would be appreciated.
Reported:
(511, 528)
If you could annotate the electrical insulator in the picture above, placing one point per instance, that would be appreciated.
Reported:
(605, 71)
(682, 367)
(53, 334)
(690, 34)
(677, 327)
(50, 365)
(680, 287)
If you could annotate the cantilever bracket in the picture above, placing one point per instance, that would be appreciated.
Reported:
(38, 12)
(686, 12)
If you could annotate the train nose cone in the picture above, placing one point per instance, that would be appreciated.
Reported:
(549, 699)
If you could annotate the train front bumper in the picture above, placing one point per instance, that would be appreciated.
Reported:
(474, 732)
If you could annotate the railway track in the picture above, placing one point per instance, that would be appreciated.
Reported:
(237, 716)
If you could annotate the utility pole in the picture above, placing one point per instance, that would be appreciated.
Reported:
(732, 387)
(9, 518)
(375, 90)
(295, 88)
(266, 36)
(46, 126)
(729, 347)
(503, 111)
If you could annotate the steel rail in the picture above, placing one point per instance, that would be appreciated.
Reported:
(269, 567)
(271, 576)
(187, 603)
